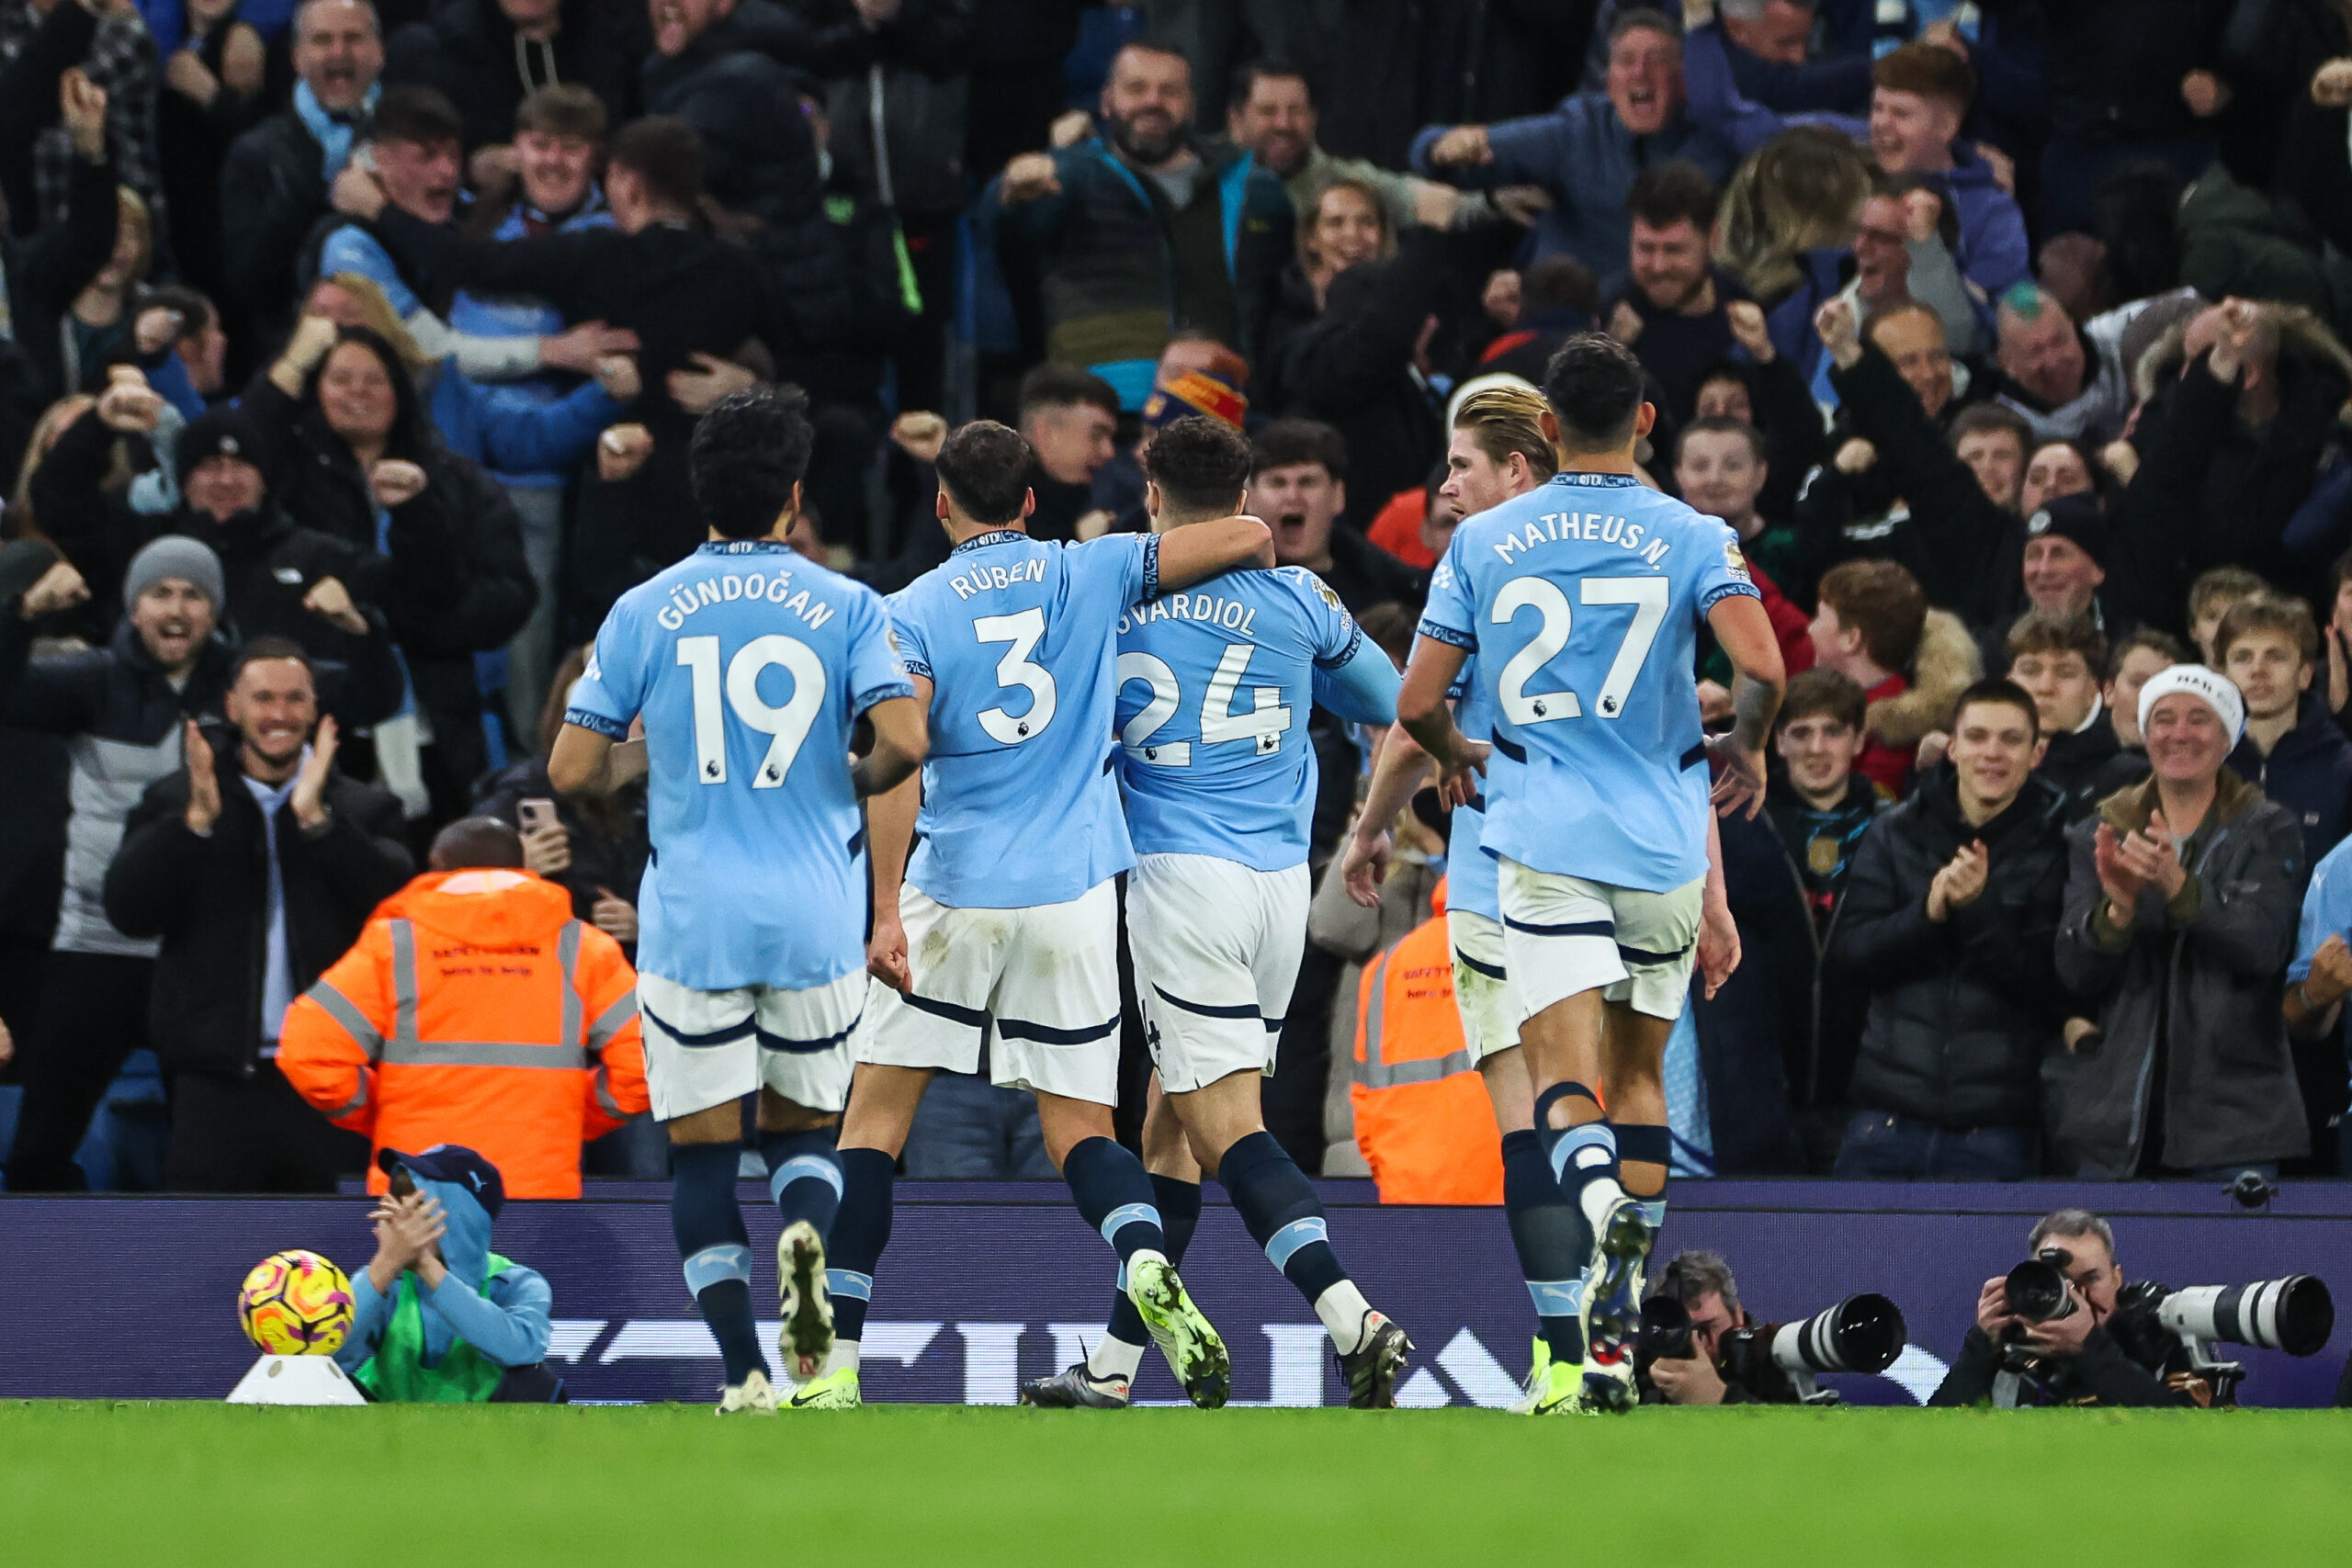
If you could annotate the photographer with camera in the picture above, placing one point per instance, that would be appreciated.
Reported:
(1697, 1345)
(2056, 1351)
(1701, 1281)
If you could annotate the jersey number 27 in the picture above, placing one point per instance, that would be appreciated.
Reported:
(787, 726)
(1646, 594)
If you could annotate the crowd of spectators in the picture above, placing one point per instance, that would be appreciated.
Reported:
(349, 354)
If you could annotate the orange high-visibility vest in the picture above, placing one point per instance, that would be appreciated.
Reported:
(1422, 1117)
(474, 1010)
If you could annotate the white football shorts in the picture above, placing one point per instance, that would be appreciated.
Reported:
(1563, 935)
(1482, 995)
(1216, 946)
(706, 1048)
(1041, 985)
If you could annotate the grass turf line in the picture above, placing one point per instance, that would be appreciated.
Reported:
(201, 1483)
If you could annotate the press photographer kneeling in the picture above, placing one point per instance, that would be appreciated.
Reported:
(1698, 1345)
(2065, 1328)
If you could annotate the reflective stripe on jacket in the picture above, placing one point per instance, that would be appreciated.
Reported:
(474, 1010)
(1422, 1118)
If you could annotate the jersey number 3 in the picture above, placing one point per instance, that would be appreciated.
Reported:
(787, 726)
(1646, 594)
(1022, 631)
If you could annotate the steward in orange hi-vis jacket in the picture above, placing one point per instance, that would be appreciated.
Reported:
(474, 1010)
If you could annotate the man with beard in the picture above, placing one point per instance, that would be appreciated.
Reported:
(1670, 307)
(1140, 234)
(253, 868)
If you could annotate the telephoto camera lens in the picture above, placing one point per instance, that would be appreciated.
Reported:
(2037, 1292)
(1861, 1333)
(2295, 1314)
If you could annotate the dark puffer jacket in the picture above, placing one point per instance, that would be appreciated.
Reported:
(2309, 771)
(2206, 971)
(1960, 1011)
(2089, 765)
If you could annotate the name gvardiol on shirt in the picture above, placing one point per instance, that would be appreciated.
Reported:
(1209, 609)
(726, 587)
(1593, 526)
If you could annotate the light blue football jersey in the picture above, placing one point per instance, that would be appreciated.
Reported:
(1214, 688)
(749, 664)
(1019, 636)
(1582, 600)
(1470, 872)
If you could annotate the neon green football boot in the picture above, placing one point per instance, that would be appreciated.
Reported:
(836, 1389)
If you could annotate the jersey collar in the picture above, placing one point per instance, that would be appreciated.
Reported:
(993, 537)
(741, 547)
(1604, 481)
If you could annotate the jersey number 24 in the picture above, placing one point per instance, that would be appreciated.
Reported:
(1263, 725)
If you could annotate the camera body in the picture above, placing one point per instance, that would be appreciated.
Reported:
(1776, 1363)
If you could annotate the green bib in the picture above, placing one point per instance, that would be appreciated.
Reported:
(397, 1372)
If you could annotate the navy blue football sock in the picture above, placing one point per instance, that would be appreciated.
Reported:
(709, 1227)
(804, 1176)
(861, 1230)
(1115, 1194)
(1179, 1215)
(1579, 1156)
(1641, 1144)
(1552, 1242)
(1278, 1203)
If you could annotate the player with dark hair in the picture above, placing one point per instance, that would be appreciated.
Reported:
(1582, 603)
(1219, 799)
(746, 666)
(1000, 927)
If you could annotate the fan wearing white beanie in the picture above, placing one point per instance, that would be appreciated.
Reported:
(2181, 907)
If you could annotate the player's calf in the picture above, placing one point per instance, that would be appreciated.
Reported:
(708, 1226)
(1278, 1204)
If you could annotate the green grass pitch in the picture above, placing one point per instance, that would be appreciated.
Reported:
(156, 1484)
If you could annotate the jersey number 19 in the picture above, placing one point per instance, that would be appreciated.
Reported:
(788, 725)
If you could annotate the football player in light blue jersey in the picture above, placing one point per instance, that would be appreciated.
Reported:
(1003, 925)
(1582, 602)
(1501, 447)
(1214, 687)
(747, 665)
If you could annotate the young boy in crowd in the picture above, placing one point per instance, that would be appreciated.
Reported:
(1819, 802)
(2291, 750)
(2058, 660)
(2210, 598)
(1867, 629)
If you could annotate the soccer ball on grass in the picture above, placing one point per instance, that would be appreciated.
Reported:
(296, 1303)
